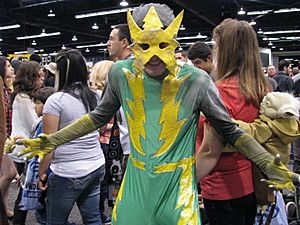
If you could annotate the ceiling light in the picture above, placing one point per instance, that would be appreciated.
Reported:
(198, 36)
(182, 27)
(24, 52)
(10, 27)
(292, 38)
(95, 26)
(273, 46)
(113, 26)
(74, 38)
(63, 47)
(242, 11)
(0, 53)
(92, 45)
(102, 13)
(270, 43)
(1, 39)
(253, 13)
(280, 49)
(87, 50)
(51, 13)
(270, 39)
(39, 35)
(33, 42)
(287, 10)
(260, 31)
(282, 32)
(252, 23)
(123, 3)
(41, 50)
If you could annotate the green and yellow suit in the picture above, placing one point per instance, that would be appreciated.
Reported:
(159, 186)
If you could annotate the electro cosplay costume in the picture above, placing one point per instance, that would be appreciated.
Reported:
(159, 185)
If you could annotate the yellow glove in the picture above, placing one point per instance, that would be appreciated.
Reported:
(10, 144)
(279, 176)
(47, 143)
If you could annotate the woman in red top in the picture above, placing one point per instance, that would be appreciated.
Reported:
(228, 190)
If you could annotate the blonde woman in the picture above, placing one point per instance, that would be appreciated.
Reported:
(98, 79)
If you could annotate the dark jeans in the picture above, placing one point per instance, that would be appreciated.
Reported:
(19, 215)
(63, 193)
(239, 211)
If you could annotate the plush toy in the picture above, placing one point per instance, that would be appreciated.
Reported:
(280, 105)
(277, 126)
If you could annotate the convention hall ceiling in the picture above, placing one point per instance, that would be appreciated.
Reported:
(277, 22)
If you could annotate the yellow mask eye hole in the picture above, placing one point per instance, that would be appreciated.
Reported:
(144, 46)
(163, 45)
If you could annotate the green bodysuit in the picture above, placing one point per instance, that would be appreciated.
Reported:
(159, 186)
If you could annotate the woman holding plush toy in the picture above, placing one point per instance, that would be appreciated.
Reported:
(242, 86)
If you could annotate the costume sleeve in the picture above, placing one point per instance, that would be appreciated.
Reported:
(111, 99)
(215, 111)
(257, 129)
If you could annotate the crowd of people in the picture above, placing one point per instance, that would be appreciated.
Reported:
(173, 110)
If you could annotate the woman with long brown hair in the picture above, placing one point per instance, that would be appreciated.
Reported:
(228, 190)
(7, 169)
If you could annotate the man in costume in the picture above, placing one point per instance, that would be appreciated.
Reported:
(162, 102)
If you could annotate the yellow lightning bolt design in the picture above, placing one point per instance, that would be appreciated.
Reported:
(119, 198)
(136, 122)
(188, 215)
(169, 114)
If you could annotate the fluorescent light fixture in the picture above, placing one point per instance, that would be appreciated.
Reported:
(91, 46)
(273, 46)
(199, 36)
(95, 26)
(242, 11)
(74, 38)
(191, 43)
(270, 39)
(292, 38)
(24, 52)
(39, 35)
(123, 3)
(0, 53)
(102, 13)
(87, 50)
(51, 13)
(1, 39)
(53, 54)
(287, 10)
(63, 47)
(270, 43)
(282, 32)
(33, 42)
(253, 13)
(281, 49)
(10, 27)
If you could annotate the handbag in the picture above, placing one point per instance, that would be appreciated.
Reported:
(31, 193)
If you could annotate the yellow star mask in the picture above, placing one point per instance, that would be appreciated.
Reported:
(153, 40)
